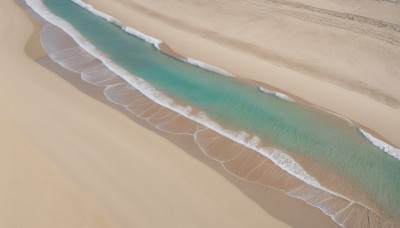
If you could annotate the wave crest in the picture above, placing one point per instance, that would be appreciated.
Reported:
(146, 102)
(392, 151)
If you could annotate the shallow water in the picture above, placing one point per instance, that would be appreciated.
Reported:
(360, 170)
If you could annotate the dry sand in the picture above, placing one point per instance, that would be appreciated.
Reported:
(68, 160)
(288, 209)
(342, 56)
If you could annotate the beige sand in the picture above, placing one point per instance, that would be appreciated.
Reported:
(342, 56)
(288, 209)
(68, 160)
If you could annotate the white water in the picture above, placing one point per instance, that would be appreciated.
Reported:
(148, 39)
(283, 160)
(276, 94)
(392, 151)
(207, 66)
(279, 158)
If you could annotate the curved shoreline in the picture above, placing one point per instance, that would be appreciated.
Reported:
(196, 43)
(48, 119)
(163, 100)
(182, 110)
(245, 188)
(369, 134)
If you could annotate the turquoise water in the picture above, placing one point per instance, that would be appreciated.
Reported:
(298, 130)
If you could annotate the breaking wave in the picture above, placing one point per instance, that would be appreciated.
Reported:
(392, 151)
(269, 166)
(276, 94)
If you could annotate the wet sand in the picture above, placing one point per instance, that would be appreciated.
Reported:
(287, 209)
(71, 160)
(244, 164)
(328, 54)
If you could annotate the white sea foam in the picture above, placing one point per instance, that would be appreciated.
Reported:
(156, 43)
(281, 159)
(148, 39)
(207, 66)
(276, 94)
(143, 36)
(118, 23)
(392, 151)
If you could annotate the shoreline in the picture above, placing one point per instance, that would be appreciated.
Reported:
(300, 202)
(57, 160)
(231, 175)
(264, 196)
(35, 191)
(294, 219)
(381, 128)
(375, 138)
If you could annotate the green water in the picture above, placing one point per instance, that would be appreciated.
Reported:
(296, 129)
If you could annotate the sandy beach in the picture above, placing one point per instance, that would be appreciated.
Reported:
(71, 160)
(330, 54)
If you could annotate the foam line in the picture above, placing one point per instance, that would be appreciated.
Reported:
(281, 159)
(392, 151)
(207, 66)
(147, 38)
(156, 43)
(276, 94)
(381, 145)
(118, 23)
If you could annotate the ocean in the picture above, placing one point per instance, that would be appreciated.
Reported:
(325, 152)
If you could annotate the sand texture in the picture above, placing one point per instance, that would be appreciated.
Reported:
(72, 159)
(69, 160)
(342, 56)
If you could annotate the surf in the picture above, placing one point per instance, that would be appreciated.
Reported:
(279, 158)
